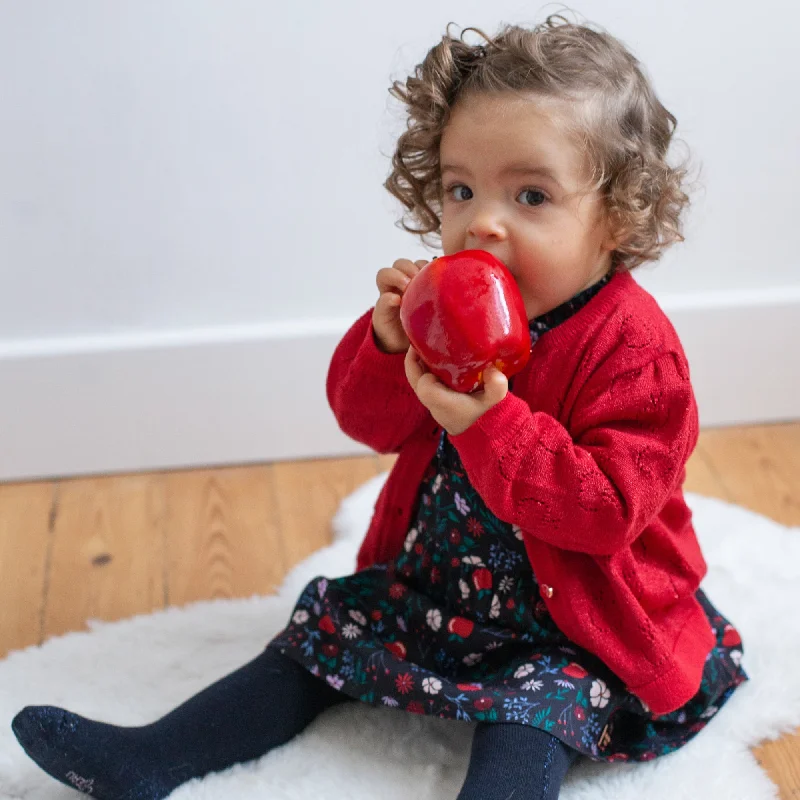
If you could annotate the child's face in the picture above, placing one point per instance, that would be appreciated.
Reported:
(553, 238)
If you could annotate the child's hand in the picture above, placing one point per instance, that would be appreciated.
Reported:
(392, 282)
(454, 411)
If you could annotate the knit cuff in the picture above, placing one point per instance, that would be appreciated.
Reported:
(500, 426)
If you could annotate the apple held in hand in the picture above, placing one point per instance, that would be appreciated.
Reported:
(463, 313)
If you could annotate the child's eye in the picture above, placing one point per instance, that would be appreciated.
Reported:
(453, 191)
(533, 197)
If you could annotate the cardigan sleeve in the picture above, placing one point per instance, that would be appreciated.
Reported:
(369, 393)
(595, 488)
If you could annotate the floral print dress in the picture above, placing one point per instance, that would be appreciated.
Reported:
(448, 629)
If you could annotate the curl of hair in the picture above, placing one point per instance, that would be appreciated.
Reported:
(618, 121)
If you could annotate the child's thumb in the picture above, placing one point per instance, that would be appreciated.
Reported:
(495, 384)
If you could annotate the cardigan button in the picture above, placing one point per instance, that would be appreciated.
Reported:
(546, 591)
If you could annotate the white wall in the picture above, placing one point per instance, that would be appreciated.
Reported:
(196, 171)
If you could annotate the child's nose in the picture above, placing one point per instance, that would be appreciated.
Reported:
(487, 224)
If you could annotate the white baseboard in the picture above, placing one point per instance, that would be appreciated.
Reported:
(257, 393)
(744, 353)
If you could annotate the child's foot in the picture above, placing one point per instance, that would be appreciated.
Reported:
(102, 760)
(261, 705)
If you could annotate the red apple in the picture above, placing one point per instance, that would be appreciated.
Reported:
(398, 648)
(731, 637)
(463, 313)
(460, 626)
(326, 624)
(575, 671)
(482, 579)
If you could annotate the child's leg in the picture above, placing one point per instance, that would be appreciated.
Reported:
(240, 717)
(515, 761)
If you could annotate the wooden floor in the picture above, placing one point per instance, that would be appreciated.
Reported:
(112, 547)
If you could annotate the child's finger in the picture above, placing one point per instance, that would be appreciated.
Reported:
(389, 300)
(390, 304)
(395, 279)
(388, 309)
(495, 385)
(413, 365)
(432, 392)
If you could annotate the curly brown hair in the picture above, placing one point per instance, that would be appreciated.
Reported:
(623, 128)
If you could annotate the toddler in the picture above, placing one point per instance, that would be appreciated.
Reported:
(530, 566)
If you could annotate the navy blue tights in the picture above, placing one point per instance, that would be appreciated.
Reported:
(515, 762)
(260, 706)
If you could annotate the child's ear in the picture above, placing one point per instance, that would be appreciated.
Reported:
(616, 232)
(614, 241)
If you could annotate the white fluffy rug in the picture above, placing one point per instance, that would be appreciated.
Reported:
(133, 671)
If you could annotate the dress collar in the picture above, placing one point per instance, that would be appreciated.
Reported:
(554, 317)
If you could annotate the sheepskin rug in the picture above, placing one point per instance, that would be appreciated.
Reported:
(133, 671)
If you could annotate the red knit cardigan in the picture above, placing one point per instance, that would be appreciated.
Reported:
(587, 456)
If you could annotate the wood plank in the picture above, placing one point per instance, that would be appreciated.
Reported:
(107, 553)
(308, 493)
(222, 534)
(25, 511)
(786, 440)
(386, 462)
(701, 475)
(758, 467)
(781, 761)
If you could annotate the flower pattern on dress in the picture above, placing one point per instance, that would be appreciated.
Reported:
(448, 629)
